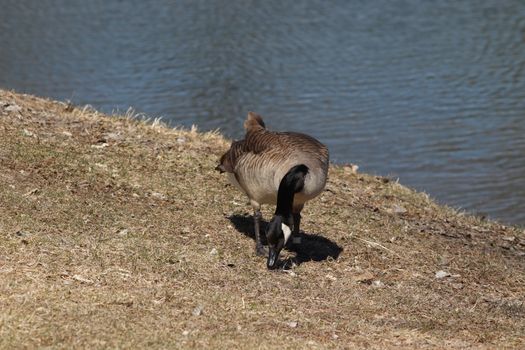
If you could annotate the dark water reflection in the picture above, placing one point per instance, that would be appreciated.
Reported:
(431, 92)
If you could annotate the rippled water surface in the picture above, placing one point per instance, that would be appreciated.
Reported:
(430, 92)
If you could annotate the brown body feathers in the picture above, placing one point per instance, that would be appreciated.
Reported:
(257, 163)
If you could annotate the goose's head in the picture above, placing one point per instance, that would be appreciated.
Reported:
(277, 234)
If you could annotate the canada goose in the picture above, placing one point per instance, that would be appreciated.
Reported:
(282, 168)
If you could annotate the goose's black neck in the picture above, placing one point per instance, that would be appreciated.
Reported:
(291, 183)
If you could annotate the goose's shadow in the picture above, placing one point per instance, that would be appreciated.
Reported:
(313, 247)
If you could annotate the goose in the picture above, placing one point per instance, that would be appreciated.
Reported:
(285, 169)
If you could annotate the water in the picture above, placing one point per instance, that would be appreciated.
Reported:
(430, 92)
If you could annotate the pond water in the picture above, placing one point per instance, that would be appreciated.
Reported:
(430, 92)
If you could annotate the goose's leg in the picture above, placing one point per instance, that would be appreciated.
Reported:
(259, 248)
(296, 239)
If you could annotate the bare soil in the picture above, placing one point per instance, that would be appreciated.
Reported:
(115, 232)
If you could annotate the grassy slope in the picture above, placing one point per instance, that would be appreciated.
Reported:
(117, 233)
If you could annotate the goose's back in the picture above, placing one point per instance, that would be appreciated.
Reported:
(259, 162)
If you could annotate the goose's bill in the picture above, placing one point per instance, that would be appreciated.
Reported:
(273, 257)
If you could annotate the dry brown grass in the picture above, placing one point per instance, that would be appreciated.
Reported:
(116, 233)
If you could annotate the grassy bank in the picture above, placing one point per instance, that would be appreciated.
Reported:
(119, 233)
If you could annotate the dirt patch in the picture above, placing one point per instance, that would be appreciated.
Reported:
(116, 232)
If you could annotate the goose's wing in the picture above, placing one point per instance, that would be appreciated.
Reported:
(251, 149)
(270, 145)
(229, 159)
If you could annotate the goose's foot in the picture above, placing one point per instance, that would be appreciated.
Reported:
(261, 250)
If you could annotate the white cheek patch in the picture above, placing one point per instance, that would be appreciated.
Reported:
(287, 232)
